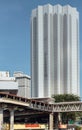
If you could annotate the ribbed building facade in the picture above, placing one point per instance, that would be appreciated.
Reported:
(55, 51)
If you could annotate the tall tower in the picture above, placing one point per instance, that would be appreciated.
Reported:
(55, 50)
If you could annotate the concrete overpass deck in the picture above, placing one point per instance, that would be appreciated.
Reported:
(17, 106)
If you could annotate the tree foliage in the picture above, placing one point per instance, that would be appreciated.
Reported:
(66, 98)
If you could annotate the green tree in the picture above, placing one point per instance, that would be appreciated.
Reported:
(67, 98)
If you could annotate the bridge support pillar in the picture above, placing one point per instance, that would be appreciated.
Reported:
(59, 117)
(51, 121)
(12, 119)
(1, 119)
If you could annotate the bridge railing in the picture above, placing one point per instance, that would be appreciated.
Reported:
(34, 104)
(67, 106)
(42, 106)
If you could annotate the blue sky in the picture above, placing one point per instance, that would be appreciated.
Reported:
(15, 32)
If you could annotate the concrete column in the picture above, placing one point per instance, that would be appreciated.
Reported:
(51, 121)
(1, 119)
(12, 119)
(59, 117)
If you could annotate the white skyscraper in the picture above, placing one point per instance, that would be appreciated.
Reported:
(55, 50)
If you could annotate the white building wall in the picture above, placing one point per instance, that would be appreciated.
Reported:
(40, 52)
(24, 85)
(55, 50)
(8, 84)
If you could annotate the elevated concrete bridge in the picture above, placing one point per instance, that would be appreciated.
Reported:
(14, 103)
(10, 99)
